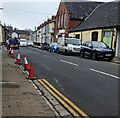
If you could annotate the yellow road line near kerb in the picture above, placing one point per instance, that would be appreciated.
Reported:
(67, 100)
(60, 100)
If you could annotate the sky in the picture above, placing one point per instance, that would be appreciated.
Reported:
(24, 14)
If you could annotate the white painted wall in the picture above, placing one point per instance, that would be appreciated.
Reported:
(14, 34)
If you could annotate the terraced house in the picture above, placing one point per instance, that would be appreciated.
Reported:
(45, 31)
(101, 25)
(70, 14)
(3, 33)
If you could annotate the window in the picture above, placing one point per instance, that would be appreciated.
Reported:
(89, 44)
(77, 36)
(58, 21)
(61, 20)
(107, 34)
(64, 20)
(86, 44)
(94, 36)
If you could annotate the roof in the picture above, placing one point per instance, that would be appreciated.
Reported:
(24, 32)
(80, 10)
(105, 15)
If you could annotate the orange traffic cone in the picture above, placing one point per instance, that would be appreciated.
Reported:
(26, 65)
(31, 73)
(10, 51)
(11, 54)
(18, 58)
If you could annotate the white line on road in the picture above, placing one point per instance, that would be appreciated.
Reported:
(69, 62)
(104, 73)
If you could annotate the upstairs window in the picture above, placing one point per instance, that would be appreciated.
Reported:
(59, 21)
(64, 20)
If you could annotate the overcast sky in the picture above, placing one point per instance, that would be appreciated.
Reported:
(28, 13)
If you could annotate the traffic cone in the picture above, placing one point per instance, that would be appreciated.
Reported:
(10, 51)
(7, 50)
(11, 54)
(18, 58)
(26, 65)
(31, 73)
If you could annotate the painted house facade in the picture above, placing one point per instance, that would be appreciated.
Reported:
(70, 14)
(46, 31)
(100, 25)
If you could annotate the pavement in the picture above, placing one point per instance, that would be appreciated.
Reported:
(19, 96)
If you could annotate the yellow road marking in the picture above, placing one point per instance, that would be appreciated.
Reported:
(60, 100)
(67, 100)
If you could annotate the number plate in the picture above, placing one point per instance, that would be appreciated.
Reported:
(108, 54)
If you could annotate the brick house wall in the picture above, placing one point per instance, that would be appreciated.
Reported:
(23, 36)
(70, 23)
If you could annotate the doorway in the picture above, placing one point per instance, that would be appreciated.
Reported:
(94, 36)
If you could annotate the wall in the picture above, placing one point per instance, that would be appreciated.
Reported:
(14, 34)
(87, 35)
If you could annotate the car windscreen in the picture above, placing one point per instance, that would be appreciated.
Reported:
(73, 41)
(23, 41)
(99, 45)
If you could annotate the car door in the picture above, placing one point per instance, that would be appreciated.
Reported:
(90, 49)
(85, 47)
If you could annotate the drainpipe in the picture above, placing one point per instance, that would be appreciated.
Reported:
(117, 52)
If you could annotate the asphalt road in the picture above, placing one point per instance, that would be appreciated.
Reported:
(91, 85)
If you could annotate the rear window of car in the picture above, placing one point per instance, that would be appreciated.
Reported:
(23, 41)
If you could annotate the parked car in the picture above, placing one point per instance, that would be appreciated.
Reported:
(96, 50)
(53, 47)
(13, 43)
(69, 45)
(23, 42)
(45, 46)
(30, 43)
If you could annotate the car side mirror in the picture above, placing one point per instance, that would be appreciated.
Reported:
(91, 47)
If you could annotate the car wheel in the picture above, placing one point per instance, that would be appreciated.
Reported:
(94, 56)
(110, 59)
(53, 50)
(82, 54)
(66, 53)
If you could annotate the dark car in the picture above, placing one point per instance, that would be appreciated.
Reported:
(96, 49)
(45, 46)
(53, 47)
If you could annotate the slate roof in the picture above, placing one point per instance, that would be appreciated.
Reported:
(106, 15)
(80, 10)
(24, 32)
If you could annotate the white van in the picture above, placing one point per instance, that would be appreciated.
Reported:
(69, 45)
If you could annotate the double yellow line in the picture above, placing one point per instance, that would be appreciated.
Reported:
(71, 107)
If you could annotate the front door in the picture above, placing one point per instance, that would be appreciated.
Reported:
(94, 36)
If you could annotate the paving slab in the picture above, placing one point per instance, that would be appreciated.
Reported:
(20, 98)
